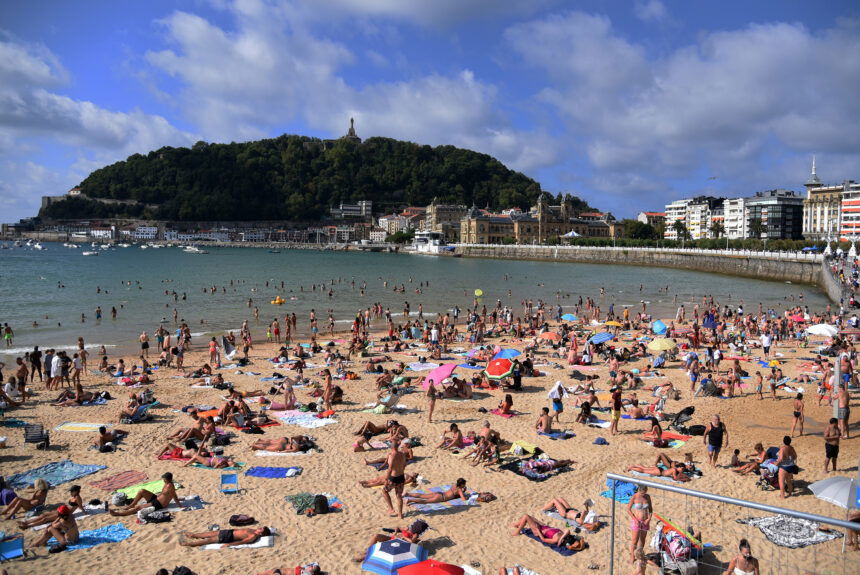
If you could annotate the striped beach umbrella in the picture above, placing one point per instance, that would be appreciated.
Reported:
(387, 557)
(499, 368)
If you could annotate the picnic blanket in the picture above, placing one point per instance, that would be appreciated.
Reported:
(54, 473)
(79, 426)
(433, 507)
(151, 486)
(306, 419)
(93, 537)
(301, 502)
(520, 468)
(791, 532)
(273, 472)
(267, 541)
(558, 549)
(119, 480)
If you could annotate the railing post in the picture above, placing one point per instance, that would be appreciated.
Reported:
(612, 533)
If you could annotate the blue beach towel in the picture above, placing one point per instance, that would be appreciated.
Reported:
(91, 538)
(12, 423)
(558, 434)
(623, 491)
(273, 472)
(54, 473)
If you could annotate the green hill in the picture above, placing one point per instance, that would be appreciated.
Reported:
(292, 178)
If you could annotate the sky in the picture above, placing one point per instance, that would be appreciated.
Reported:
(628, 105)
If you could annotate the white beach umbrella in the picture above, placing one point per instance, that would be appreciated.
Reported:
(822, 329)
(841, 491)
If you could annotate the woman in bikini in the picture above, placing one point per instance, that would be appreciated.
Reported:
(297, 444)
(458, 490)
(452, 439)
(640, 510)
(431, 401)
(37, 499)
(743, 563)
(64, 529)
(210, 459)
(505, 406)
(74, 503)
(675, 471)
(549, 535)
(656, 434)
(564, 509)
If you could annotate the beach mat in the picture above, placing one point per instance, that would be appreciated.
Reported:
(119, 480)
(55, 473)
(267, 541)
(12, 423)
(790, 532)
(273, 472)
(558, 549)
(237, 467)
(79, 515)
(93, 537)
(306, 419)
(500, 414)
(79, 426)
(433, 507)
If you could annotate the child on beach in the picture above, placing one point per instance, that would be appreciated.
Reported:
(736, 462)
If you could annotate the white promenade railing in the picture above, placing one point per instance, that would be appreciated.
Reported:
(771, 255)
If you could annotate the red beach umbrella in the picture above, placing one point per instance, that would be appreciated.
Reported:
(431, 567)
(499, 368)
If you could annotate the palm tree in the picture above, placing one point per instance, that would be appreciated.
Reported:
(717, 229)
(681, 231)
(756, 228)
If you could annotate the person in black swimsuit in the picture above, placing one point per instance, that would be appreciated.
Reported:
(224, 537)
(149, 499)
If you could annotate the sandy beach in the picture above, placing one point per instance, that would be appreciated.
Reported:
(479, 535)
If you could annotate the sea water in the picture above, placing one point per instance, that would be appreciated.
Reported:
(55, 286)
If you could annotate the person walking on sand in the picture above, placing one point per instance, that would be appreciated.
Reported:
(831, 443)
(843, 410)
(798, 415)
(716, 437)
(616, 410)
(395, 478)
(431, 401)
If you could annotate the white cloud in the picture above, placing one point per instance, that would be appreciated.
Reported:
(33, 114)
(651, 11)
(270, 71)
(734, 104)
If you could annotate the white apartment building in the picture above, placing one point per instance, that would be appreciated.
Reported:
(394, 223)
(735, 219)
(145, 233)
(675, 211)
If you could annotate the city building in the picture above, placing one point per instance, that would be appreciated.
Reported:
(734, 218)
(445, 219)
(361, 210)
(850, 206)
(655, 219)
(393, 223)
(675, 212)
(822, 208)
(775, 214)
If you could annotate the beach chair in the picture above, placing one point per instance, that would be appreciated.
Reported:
(229, 483)
(11, 547)
(140, 414)
(35, 433)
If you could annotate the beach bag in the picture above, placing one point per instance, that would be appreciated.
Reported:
(221, 440)
(320, 505)
(119, 499)
(241, 520)
(150, 515)
(182, 570)
(696, 430)
(252, 429)
(680, 547)
(486, 497)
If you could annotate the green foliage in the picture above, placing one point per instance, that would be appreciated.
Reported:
(756, 228)
(681, 230)
(296, 178)
(508, 241)
(637, 230)
(401, 237)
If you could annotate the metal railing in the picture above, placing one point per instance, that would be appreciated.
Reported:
(850, 565)
(783, 256)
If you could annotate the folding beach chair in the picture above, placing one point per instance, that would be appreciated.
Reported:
(140, 414)
(229, 483)
(35, 433)
(11, 547)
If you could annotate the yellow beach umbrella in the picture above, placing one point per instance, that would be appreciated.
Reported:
(479, 293)
(662, 344)
(613, 323)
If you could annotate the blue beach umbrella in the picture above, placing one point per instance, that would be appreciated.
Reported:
(658, 327)
(507, 354)
(387, 557)
(569, 317)
(601, 337)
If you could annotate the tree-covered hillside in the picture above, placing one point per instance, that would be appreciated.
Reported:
(293, 178)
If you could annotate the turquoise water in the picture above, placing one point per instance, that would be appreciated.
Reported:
(54, 287)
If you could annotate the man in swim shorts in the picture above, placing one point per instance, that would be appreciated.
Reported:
(395, 479)
(224, 537)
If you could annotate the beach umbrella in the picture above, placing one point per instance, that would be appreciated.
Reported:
(662, 344)
(798, 317)
(658, 327)
(431, 567)
(387, 557)
(613, 323)
(507, 354)
(438, 374)
(841, 491)
(479, 293)
(499, 368)
(601, 337)
(850, 331)
(550, 335)
(569, 317)
(773, 363)
(822, 329)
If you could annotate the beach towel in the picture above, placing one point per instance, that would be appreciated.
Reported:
(236, 467)
(119, 480)
(571, 523)
(79, 426)
(421, 366)
(624, 490)
(519, 467)
(97, 401)
(306, 419)
(522, 448)
(12, 423)
(301, 502)
(267, 541)
(262, 453)
(563, 434)
(625, 416)
(597, 422)
(638, 474)
(668, 435)
(151, 486)
(79, 515)
(791, 532)
(500, 414)
(93, 537)
(433, 507)
(273, 472)
(55, 473)
(558, 549)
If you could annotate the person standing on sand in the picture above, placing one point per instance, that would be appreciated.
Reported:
(616, 410)
(831, 443)
(431, 401)
(843, 410)
(716, 435)
(144, 344)
(395, 478)
(798, 414)
(276, 331)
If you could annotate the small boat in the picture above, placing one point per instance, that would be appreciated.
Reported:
(274, 251)
(38, 246)
(90, 253)
(194, 250)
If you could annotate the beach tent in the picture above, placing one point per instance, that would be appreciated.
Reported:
(658, 327)
(571, 234)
